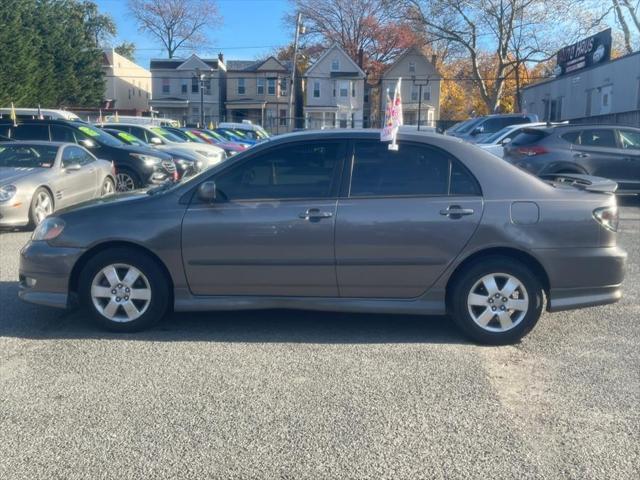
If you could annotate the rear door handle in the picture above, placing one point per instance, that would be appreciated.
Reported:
(581, 155)
(456, 211)
(315, 214)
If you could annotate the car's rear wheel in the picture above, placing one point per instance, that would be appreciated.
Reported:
(125, 290)
(108, 187)
(126, 181)
(497, 300)
(41, 206)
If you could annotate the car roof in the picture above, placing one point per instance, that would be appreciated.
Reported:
(363, 134)
(45, 121)
(40, 142)
(581, 126)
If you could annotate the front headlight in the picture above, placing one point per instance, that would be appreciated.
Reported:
(207, 153)
(7, 192)
(49, 228)
(149, 160)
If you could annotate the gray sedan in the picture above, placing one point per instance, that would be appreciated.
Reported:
(334, 220)
(38, 178)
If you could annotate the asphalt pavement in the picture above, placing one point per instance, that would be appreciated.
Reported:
(291, 394)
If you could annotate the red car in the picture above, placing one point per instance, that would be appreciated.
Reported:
(216, 139)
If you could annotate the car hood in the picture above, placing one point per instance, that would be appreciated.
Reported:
(13, 174)
(146, 151)
(211, 150)
(121, 198)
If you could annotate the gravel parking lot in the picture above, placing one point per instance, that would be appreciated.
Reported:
(316, 395)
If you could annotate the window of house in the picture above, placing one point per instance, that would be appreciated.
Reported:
(426, 93)
(316, 89)
(353, 89)
(260, 85)
(166, 85)
(301, 170)
(241, 87)
(194, 84)
(412, 67)
(283, 86)
(335, 64)
(413, 170)
(283, 117)
(343, 120)
(207, 86)
(344, 88)
(587, 109)
(271, 86)
(414, 93)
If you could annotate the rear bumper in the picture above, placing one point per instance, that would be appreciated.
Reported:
(583, 277)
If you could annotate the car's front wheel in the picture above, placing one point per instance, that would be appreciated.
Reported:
(497, 300)
(124, 289)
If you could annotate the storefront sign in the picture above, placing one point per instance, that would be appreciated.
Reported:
(585, 53)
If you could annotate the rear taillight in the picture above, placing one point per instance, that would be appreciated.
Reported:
(607, 217)
(532, 151)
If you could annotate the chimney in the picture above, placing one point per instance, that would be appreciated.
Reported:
(361, 58)
(221, 57)
(433, 60)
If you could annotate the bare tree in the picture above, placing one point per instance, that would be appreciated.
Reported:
(497, 37)
(366, 29)
(176, 23)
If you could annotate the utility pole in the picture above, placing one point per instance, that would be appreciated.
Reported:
(293, 69)
(420, 84)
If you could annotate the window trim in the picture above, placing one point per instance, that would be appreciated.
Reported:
(336, 182)
(345, 187)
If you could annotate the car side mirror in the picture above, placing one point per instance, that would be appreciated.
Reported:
(155, 141)
(85, 142)
(72, 167)
(207, 192)
(505, 141)
(477, 131)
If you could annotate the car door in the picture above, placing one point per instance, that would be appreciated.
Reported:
(629, 141)
(74, 186)
(406, 215)
(271, 229)
(598, 153)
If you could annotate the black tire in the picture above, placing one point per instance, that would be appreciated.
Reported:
(158, 304)
(136, 182)
(33, 219)
(462, 287)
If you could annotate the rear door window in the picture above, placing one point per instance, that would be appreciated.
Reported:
(603, 138)
(528, 137)
(31, 132)
(61, 133)
(413, 170)
(572, 137)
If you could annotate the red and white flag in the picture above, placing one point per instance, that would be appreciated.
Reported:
(392, 117)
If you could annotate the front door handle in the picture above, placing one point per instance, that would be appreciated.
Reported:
(315, 214)
(581, 155)
(456, 211)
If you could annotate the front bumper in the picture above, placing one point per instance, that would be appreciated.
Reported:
(583, 277)
(15, 212)
(45, 272)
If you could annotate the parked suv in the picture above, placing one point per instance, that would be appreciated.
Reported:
(602, 150)
(484, 127)
(136, 167)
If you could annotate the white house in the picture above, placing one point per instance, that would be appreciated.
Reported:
(176, 88)
(127, 85)
(334, 91)
(419, 76)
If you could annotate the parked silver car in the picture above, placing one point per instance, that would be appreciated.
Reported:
(38, 178)
(334, 220)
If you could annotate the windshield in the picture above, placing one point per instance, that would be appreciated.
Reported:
(192, 137)
(28, 156)
(166, 134)
(99, 136)
(127, 138)
(467, 128)
(214, 135)
(496, 136)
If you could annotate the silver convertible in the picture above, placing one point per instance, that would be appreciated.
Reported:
(38, 178)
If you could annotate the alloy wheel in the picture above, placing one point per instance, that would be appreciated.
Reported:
(121, 293)
(43, 206)
(124, 182)
(108, 188)
(498, 302)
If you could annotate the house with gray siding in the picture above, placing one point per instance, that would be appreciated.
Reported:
(176, 88)
(334, 91)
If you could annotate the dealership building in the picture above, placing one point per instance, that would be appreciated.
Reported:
(588, 86)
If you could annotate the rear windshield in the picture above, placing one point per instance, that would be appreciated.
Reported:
(28, 156)
(528, 137)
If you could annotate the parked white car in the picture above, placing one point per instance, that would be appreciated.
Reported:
(495, 143)
(162, 139)
(46, 113)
